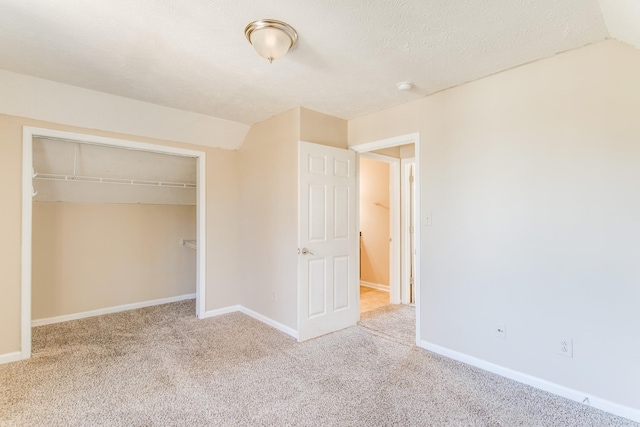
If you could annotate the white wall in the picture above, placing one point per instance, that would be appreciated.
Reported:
(532, 178)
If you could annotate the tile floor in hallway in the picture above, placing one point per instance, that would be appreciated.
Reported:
(370, 299)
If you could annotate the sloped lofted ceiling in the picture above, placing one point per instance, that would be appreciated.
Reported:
(192, 55)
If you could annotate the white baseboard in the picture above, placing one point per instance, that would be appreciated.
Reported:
(262, 318)
(109, 310)
(548, 386)
(266, 320)
(221, 311)
(377, 286)
(10, 357)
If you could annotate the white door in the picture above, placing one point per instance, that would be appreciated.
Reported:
(327, 240)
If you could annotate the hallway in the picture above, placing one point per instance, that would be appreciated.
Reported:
(370, 299)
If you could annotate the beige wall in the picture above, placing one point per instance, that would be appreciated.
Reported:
(222, 200)
(399, 152)
(390, 151)
(532, 178)
(322, 129)
(374, 221)
(269, 207)
(39, 99)
(407, 151)
(268, 236)
(87, 257)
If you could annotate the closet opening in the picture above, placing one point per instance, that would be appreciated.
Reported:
(108, 225)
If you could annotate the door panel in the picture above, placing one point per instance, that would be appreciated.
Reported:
(341, 213)
(317, 287)
(340, 283)
(328, 242)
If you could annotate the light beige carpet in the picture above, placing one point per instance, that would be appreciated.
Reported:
(160, 366)
(393, 321)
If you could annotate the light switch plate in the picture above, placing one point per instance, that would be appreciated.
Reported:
(426, 219)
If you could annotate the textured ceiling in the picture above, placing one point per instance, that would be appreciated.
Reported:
(192, 55)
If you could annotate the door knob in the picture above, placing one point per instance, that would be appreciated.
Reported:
(305, 251)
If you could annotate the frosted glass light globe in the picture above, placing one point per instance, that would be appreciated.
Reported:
(270, 43)
(271, 38)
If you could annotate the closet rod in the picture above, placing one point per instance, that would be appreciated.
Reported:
(54, 177)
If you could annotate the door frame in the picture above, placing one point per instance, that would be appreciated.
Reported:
(394, 142)
(394, 221)
(405, 189)
(28, 133)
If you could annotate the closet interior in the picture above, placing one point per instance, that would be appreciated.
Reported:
(111, 226)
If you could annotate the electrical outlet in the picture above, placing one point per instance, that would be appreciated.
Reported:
(501, 331)
(274, 296)
(565, 347)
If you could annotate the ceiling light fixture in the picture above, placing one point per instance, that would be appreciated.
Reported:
(271, 39)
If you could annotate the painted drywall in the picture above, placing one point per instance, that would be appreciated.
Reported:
(222, 207)
(407, 151)
(40, 99)
(87, 257)
(622, 18)
(269, 218)
(531, 176)
(389, 151)
(269, 208)
(374, 221)
(322, 129)
(191, 54)
(398, 152)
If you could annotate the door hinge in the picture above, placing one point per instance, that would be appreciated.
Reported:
(411, 229)
(411, 280)
(411, 179)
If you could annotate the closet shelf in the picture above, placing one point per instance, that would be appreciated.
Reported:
(54, 177)
(190, 244)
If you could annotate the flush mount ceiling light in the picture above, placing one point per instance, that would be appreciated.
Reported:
(271, 39)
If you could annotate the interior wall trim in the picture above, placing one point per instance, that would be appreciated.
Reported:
(268, 321)
(221, 311)
(109, 310)
(539, 383)
(10, 357)
(372, 285)
(259, 317)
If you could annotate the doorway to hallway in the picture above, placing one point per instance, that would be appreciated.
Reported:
(375, 230)
(386, 205)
